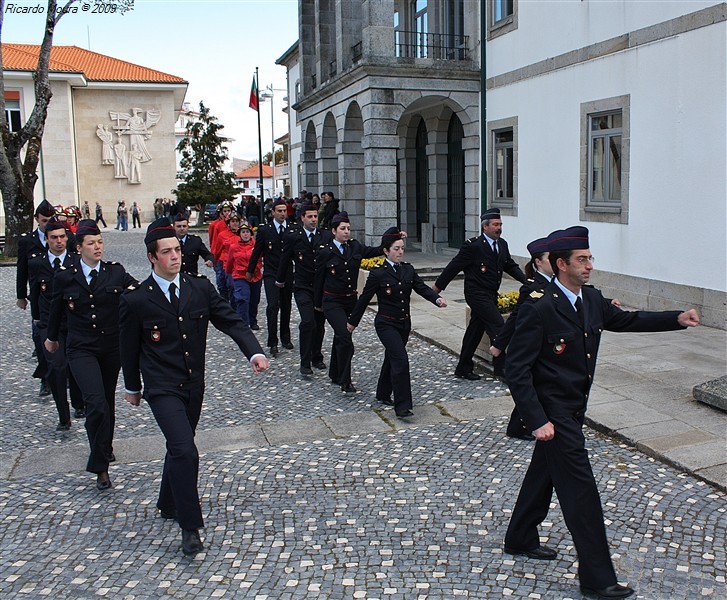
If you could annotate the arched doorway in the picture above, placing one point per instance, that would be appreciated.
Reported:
(421, 178)
(455, 184)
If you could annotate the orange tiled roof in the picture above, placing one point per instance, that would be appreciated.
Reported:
(72, 59)
(254, 172)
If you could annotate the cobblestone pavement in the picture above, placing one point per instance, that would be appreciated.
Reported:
(413, 513)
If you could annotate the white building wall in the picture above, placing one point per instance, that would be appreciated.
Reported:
(678, 182)
(295, 148)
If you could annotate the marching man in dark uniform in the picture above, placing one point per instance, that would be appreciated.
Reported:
(299, 247)
(88, 295)
(335, 293)
(550, 364)
(393, 283)
(163, 325)
(29, 244)
(41, 271)
(269, 247)
(483, 260)
(192, 246)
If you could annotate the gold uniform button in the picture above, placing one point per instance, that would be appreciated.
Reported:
(586, 334)
(181, 318)
(184, 336)
(187, 354)
(588, 356)
(94, 325)
(93, 316)
(190, 371)
(90, 295)
(92, 306)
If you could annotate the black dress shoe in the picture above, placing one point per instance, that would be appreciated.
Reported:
(168, 513)
(319, 365)
(111, 457)
(103, 482)
(469, 376)
(539, 553)
(387, 401)
(348, 388)
(274, 351)
(63, 426)
(528, 437)
(79, 413)
(404, 415)
(191, 544)
(288, 345)
(306, 371)
(255, 327)
(44, 388)
(612, 591)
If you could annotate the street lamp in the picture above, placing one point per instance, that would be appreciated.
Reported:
(267, 94)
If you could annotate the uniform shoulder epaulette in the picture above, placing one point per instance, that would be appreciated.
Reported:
(62, 268)
(473, 240)
(530, 280)
(535, 295)
(132, 287)
(196, 275)
(24, 234)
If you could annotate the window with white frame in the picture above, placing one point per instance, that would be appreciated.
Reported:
(501, 17)
(502, 156)
(605, 160)
(12, 114)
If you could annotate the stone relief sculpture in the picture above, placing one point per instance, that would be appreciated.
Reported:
(107, 150)
(128, 155)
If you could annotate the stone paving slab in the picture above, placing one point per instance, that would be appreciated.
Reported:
(699, 456)
(347, 425)
(303, 430)
(653, 431)
(680, 440)
(618, 415)
(480, 408)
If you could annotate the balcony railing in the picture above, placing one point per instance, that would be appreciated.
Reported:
(439, 46)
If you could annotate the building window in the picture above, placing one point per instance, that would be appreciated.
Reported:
(12, 114)
(502, 158)
(455, 43)
(501, 17)
(605, 160)
(421, 28)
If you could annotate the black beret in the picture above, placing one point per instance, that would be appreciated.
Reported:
(182, 216)
(87, 227)
(341, 217)
(306, 207)
(158, 230)
(391, 235)
(46, 209)
(490, 213)
(53, 224)
(280, 202)
(538, 246)
(573, 238)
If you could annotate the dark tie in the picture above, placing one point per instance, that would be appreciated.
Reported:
(56, 263)
(494, 247)
(281, 231)
(173, 297)
(310, 237)
(181, 243)
(396, 269)
(579, 309)
(94, 276)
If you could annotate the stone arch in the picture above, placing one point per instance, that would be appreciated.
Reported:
(308, 158)
(351, 162)
(328, 157)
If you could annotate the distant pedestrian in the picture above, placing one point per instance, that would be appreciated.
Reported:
(99, 215)
(135, 216)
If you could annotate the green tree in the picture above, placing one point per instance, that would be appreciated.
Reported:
(20, 150)
(203, 156)
(266, 158)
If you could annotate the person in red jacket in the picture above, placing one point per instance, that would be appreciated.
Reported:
(246, 292)
(223, 240)
(225, 209)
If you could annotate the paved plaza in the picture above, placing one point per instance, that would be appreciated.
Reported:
(311, 493)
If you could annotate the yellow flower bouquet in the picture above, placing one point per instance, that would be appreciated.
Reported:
(506, 302)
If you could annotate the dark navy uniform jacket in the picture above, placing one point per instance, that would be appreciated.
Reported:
(393, 293)
(336, 273)
(93, 315)
(482, 270)
(28, 245)
(192, 249)
(41, 276)
(532, 288)
(167, 349)
(269, 245)
(552, 357)
(302, 253)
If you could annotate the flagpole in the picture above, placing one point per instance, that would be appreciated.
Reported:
(259, 143)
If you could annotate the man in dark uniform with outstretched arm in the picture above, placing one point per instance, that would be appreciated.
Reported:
(163, 325)
(551, 360)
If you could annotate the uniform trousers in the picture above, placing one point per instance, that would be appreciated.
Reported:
(279, 300)
(312, 328)
(231, 292)
(96, 371)
(42, 367)
(60, 379)
(177, 412)
(221, 280)
(562, 463)
(337, 309)
(394, 376)
(247, 298)
(484, 317)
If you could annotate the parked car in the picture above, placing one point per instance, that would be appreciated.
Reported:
(210, 213)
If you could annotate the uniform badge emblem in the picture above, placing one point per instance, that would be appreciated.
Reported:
(156, 335)
(71, 305)
(300, 256)
(43, 286)
(270, 245)
(333, 270)
(536, 295)
(559, 348)
(388, 291)
(483, 268)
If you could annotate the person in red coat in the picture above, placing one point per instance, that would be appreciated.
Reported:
(245, 291)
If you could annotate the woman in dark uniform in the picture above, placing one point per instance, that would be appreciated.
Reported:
(393, 284)
(334, 292)
(89, 295)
